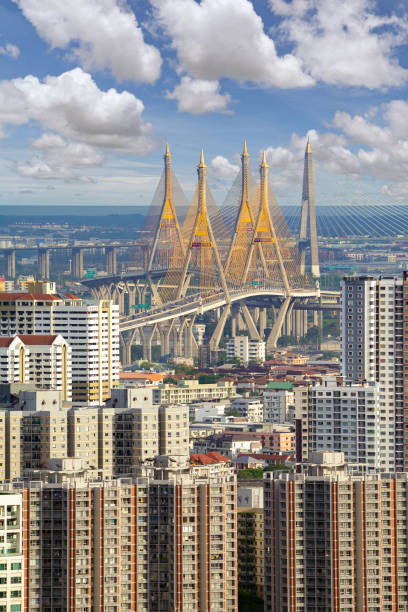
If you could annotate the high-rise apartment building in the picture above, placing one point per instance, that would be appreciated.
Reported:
(342, 417)
(278, 401)
(250, 537)
(91, 330)
(335, 539)
(114, 440)
(373, 343)
(160, 542)
(11, 553)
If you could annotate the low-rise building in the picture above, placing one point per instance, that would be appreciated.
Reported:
(189, 391)
(246, 350)
(249, 407)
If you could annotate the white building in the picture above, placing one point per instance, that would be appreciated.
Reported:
(244, 349)
(345, 418)
(90, 328)
(206, 411)
(279, 401)
(372, 349)
(249, 407)
(44, 360)
(11, 552)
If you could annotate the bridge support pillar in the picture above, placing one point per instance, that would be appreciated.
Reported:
(131, 289)
(126, 346)
(218, 331)
(44, 263)
(167, 334)
(147, 334)
(11, 263)
(287, 328)
(111, 260)
(252, 330)
(77, 266)
(262, 322)
(190, 345)
(277, 326)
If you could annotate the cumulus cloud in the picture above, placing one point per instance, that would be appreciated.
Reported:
(10, 50)
(81, 122)
(344, 42)
(98, 34)
(226, 38)
(73, 106)
(198, 96)
(221, 167)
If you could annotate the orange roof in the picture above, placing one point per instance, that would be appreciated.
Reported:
(71, 296)
(212, 457)
(37, 339)
(152, 376)
(29, 296)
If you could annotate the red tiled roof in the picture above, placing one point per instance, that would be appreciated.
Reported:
(152, 376)
(5, 342)
(212, 457)
(37, 339)
(266, 456)
(70, 296)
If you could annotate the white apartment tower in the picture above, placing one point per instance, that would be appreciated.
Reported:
(90, 328)
(372, 349)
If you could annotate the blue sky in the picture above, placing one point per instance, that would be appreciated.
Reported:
(90, 90)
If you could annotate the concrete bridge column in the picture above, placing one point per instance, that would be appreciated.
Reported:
(275, 332)
(190, 341)
(251, 327)
(111, 260)
(219, 329)
(131, 289)
(44, 263)
(167, 335)
(126, 343)
(121, 299)
(11, 263)
(147, 335)
(262, 322)
(180, 336)
(77, 266)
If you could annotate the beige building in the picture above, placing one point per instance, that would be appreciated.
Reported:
(188, 391)
(335, 539)
(162, 541)
(114, 440)
(11, 552)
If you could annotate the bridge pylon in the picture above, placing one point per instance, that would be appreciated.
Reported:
(243, 232)
(202, 266)
(264, 265)
(168, 244)
(308, 231)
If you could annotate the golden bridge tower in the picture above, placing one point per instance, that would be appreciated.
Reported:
(202, 271)
(243, 232)
(264, 264)
(168, 245)
(308, 218)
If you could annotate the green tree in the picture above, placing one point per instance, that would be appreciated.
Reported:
(250, 473)
(207, 379)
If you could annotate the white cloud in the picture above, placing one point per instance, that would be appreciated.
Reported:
(344, 42)
(359, 130)
(226, 38)
(98, 34)
(221, 167)
(73, 106)
(10, 50)
(197, 96)
(81, 122)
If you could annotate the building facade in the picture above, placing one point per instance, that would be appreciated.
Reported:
(245, 349)
(91, 330)
(373, 331)
(335, 539)
(161, 542)
(342, 417)
(278, 401)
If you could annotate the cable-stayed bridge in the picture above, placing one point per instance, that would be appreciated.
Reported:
(240, 261)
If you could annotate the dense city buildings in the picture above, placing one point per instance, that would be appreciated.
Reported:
(188, 391)
(91, 330)
(162, 541)
(372, 349)
(335, 539)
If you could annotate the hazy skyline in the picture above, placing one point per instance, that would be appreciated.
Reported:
(90, 90)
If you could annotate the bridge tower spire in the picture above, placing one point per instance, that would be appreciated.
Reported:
(168, 245)
(264, 262)
(202, 259)
(308, 218)
(244, 227)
